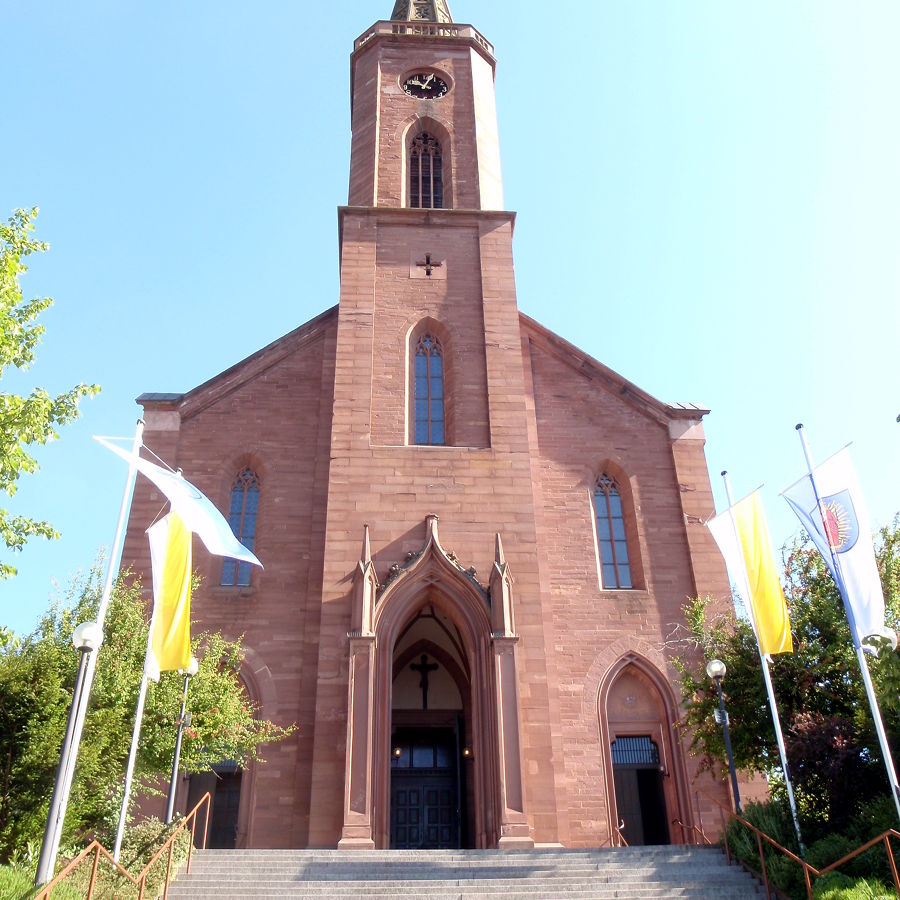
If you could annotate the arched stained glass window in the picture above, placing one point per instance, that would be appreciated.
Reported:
(426, 173)
(242, 519)
(611, 538)
(428, 408)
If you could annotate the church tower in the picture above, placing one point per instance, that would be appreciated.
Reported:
(430, 409)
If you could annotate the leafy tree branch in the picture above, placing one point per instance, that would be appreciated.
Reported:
(25, 421)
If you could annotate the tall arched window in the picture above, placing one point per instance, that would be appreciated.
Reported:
(428, 408)
(242, 519)
(426, 173)
(611, 537)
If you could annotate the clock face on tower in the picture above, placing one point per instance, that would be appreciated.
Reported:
(425, 86)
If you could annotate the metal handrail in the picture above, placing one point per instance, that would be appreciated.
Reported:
(139, 881)
(884, 837)
(616, 838)
(699, 832)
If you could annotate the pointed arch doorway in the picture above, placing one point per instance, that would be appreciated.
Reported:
(433, 666)
(646, 778)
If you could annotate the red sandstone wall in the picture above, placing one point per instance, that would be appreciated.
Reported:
(278, 422)
(583, 428)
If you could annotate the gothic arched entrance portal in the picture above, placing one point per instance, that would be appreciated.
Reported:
(645, 772)
(433, 672)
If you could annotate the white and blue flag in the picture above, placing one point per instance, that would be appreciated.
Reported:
(830, 506)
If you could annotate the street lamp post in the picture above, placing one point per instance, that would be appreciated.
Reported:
(715, 668)
(183, 719)
(87, 637)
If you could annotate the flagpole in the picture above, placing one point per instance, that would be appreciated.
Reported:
(135, 737)
(860, 653)
(770, 690)
(60, 798)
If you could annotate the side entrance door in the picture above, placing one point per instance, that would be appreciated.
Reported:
(225, 787)
(640, 801)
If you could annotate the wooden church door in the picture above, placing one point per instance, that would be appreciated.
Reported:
(425, 791)
(640, 800)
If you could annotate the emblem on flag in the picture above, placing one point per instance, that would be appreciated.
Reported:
(841, 525)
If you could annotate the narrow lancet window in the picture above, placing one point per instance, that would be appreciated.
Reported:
(429, 391)
(242, 519)
(611, 537)
(426, 179)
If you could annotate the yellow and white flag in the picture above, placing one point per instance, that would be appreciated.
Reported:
(170, 556)
(743, 537)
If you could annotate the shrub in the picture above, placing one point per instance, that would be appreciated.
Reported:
(874, 817)
(835, 886)
(138, 848)
(772, 818)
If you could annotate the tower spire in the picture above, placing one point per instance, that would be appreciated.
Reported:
(421, 11)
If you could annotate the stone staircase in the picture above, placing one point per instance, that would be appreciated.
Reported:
(700, 873)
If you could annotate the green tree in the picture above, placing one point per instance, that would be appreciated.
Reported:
(24, 421)
(832, 748)
(37, 676)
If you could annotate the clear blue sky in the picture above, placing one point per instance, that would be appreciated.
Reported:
(708, 197)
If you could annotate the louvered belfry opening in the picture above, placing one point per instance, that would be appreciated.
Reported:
(426, 173)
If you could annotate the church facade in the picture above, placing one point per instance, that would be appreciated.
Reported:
(476, 537)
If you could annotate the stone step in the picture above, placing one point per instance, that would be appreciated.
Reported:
(668, 851)
(462, 865)
(239, 877)
(492, 881)
(592, 892)
(696, 873)
(641, 873)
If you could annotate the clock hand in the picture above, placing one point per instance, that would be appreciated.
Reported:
(428, 80)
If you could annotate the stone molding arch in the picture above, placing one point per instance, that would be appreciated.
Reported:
(257, 676)
(260, 686)
(405, 133)
(604, 663)
(456, 591)
(235, 465)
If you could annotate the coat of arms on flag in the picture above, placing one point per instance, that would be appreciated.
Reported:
(841, 524)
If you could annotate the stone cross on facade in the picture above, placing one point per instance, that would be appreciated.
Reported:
(424, 667)
(429, 264)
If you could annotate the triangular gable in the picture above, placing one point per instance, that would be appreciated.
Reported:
(234, 377)
(588, 367)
